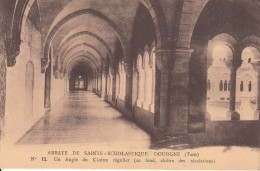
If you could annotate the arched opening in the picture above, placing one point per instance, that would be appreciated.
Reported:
(223, 18)
(47, 88)
(78, 80)
(218, 76)
(143, 34)
(146, 79)
(247, 80)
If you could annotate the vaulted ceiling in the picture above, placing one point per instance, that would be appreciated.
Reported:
(90, 29)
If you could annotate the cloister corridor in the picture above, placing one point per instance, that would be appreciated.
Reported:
(82, 117)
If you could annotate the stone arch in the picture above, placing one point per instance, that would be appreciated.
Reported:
(20, 11)
(252, 40)
(78, 77)
(76, 35)
(159, 21)
(83, 44)
(95, 13)
(222, 39)
(84, 53)
(191, 11)
(82, 60)
(78, 53)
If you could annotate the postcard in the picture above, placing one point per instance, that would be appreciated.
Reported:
(130, 84)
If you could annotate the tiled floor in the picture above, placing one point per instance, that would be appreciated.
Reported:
(82, 117)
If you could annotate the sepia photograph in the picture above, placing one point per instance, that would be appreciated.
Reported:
(130, 84)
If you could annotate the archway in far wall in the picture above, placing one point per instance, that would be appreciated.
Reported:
(78, 80)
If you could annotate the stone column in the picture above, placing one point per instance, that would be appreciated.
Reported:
(97, 82)
(232, 113)
(257, 68)
(100, 82)
(128, 85)
(209, 64)
(113, 79)
(179, 94)
(164, 63)
(153, 83)
(47, 91)
(104, 84)
(140, 94)
(94, 81)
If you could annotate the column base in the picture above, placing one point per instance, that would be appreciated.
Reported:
(106, 97)
(151, 108)
(139, 103)
(146, 106)
(257, 115)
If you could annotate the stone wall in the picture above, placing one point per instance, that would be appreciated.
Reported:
(17, 118)
(244, 133)
(145, 120)
(2, 72)
(57, 90)
(2, 88)
(141, 117)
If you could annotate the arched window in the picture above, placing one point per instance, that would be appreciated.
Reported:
(221, 85)
(250, 86)
(225, 85)
(242, 86)
(219, 53)
(208, 84)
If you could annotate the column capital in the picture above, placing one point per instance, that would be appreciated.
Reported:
(58, 73)
(128, 69)
(112, 71)
(105, 67)
(163, 59)
(185, 52)
(182, 58)
(12, 51)
(44, 64)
